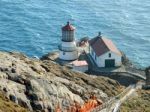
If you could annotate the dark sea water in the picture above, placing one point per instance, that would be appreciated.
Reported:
(33, 26)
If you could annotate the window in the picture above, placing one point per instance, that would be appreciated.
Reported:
(63, 53)
(109, 55)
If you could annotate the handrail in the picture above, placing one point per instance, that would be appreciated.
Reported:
(112, 100)
(67, 48)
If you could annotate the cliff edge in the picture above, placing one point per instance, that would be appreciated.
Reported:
(39, 85)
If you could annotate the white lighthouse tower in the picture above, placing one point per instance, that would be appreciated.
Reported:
(68, 49)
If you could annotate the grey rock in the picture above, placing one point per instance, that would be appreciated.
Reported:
(13, 98)
(40, 85)
(13, 70)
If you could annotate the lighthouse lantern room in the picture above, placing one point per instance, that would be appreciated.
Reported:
(68, 49)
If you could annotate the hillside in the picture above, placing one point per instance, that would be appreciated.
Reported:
(8, 106)
(139, 103)
(40, 84)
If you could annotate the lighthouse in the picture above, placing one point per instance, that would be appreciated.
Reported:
(68, 49)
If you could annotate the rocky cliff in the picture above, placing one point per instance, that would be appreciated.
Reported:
(39, 85)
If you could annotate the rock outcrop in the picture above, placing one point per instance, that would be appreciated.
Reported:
(40, 85)
(147, 72)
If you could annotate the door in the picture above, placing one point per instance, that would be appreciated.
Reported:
(109, 63)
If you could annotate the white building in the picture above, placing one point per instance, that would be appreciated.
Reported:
(68, 49)
(104, 52)
(81, 66)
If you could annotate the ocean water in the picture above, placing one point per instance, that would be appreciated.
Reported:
(34, 26)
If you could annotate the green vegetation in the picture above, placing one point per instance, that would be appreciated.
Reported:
(8, 106)
(140, 103)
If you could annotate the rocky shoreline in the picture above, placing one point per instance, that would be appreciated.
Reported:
(39, 85)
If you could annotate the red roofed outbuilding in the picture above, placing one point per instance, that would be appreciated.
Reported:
(80, 65)
(104, 52)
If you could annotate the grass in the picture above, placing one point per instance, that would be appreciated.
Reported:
(141, 103)
(8, 106)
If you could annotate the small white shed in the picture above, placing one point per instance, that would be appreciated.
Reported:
(79, 65)
(104, 52)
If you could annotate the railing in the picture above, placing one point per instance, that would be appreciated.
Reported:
(112, 100)
(67, 48)
(136, 75)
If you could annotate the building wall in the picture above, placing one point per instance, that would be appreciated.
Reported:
(68, 55)
(81, 68)
(68, 44)
(100, 61)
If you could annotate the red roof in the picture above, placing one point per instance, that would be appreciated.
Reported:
(102, 45)
(68, 27)
(79, 63)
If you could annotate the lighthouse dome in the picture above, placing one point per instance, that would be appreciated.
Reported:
(68, 27)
